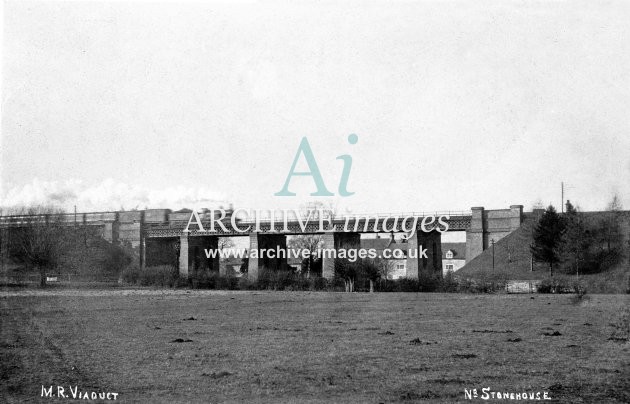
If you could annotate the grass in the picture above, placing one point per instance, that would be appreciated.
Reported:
(211, 346)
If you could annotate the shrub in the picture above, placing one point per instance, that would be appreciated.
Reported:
(203, 280)
(163, 275)
(245, 284)
(227, 283)
(580, 293)
(449, 283)
(213, 280)
(115, 259)
(275, 280)
(561, 285)
(398, 285)
(318, 283)
(131, 274)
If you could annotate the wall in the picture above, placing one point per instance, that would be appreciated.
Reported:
(457, 264)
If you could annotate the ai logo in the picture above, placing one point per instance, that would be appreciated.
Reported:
(305, 150)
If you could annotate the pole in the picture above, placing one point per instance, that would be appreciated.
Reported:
(492, 241)
(509, 259)
(562, 195)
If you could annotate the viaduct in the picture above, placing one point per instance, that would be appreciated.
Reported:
(158, 237)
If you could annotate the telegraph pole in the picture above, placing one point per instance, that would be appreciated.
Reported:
(509, 260)
(492, 241)
(562, 195)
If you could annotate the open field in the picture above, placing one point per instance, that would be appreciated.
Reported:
(310, 347)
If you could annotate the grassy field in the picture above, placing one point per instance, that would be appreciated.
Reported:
(203, 346)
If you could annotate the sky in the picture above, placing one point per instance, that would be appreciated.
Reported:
(127, 105)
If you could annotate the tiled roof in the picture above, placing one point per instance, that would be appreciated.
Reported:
(375, 243)
(459, 250)
(386, 243)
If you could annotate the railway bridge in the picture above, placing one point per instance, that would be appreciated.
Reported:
(161, 236)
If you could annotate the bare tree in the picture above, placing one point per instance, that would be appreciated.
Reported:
(538, 204)
(374, 269)
(312, 242)
(41, 239)
(347, 271)
(611, 231)
(225, 243)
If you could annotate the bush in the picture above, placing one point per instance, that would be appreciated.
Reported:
(115, 259)
(580, 293)
(131, 274)
(398, 285)
(167, 276)
(227, 283)
(203, 280)
(284, 280)
(278, 280)
(162, 275)
(560, 285)
(213, 280)
(245, 284)
(449, 283)
(318, 283)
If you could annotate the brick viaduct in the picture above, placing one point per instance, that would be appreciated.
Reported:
(158, 238)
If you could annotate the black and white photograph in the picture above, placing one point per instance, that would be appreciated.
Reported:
(272, 201)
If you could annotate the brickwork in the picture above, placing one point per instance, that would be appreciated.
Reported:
(161, 251)
(337, 241)
(488, 225)
(142, 229)
(432, 264)
(261, 241)
(183, 256)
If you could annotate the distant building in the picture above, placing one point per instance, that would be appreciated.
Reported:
(295, 263)
(453, 257)
(397, 267)
(231, 266)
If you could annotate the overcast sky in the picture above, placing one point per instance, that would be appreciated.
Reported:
(455, 104)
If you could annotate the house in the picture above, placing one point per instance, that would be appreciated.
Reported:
(295, 263)
(231, 266)
(397, 249)
(453, 256)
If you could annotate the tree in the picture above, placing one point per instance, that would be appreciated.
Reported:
(374, 269)
(225, 243)
(310, 242)
(548, 238)
(538, 204)
(245, 265)
(610, 229)
(116, 258)
(347, 271)
(41, 239)
(576, 240)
